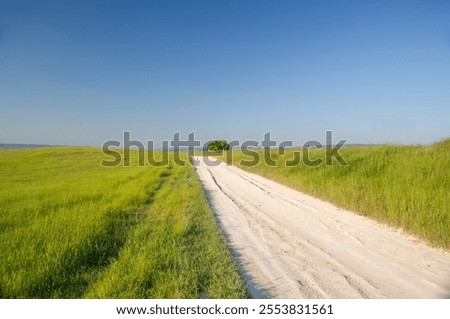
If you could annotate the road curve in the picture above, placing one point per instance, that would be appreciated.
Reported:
(291, 245)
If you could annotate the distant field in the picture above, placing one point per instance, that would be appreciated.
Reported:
(70, 228)
(404, 186)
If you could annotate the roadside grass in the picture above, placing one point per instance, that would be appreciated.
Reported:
(407, 187)
(70, 228)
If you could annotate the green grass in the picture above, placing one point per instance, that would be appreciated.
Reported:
(404, 186)
(70, 228)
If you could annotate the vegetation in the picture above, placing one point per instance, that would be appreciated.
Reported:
(70, 228)
(218, 146)
(404, 186)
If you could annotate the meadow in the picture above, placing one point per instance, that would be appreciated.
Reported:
(70, 228)
(407, 187)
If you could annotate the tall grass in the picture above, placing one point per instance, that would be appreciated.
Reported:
(173, 255)
(70, 228)
(404, 186)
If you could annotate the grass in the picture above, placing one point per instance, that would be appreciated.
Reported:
(70, 228)
(404, 186)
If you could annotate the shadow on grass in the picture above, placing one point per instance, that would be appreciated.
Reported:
(80, 267)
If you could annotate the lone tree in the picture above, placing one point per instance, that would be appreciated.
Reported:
(217, 146)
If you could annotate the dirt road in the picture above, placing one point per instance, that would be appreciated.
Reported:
(290, 245)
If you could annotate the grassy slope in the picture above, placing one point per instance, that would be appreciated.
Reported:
(404, 186)
(70, 228)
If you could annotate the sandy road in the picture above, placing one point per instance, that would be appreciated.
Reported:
(290, 245)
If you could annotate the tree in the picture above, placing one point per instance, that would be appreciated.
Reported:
(217, 146)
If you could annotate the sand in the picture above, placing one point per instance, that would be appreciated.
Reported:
(291, 245)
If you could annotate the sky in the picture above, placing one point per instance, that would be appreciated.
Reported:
(83, 72)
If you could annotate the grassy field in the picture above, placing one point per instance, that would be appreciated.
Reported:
(404, 186)
(70, 228)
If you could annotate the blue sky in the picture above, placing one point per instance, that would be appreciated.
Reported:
(82, 72)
